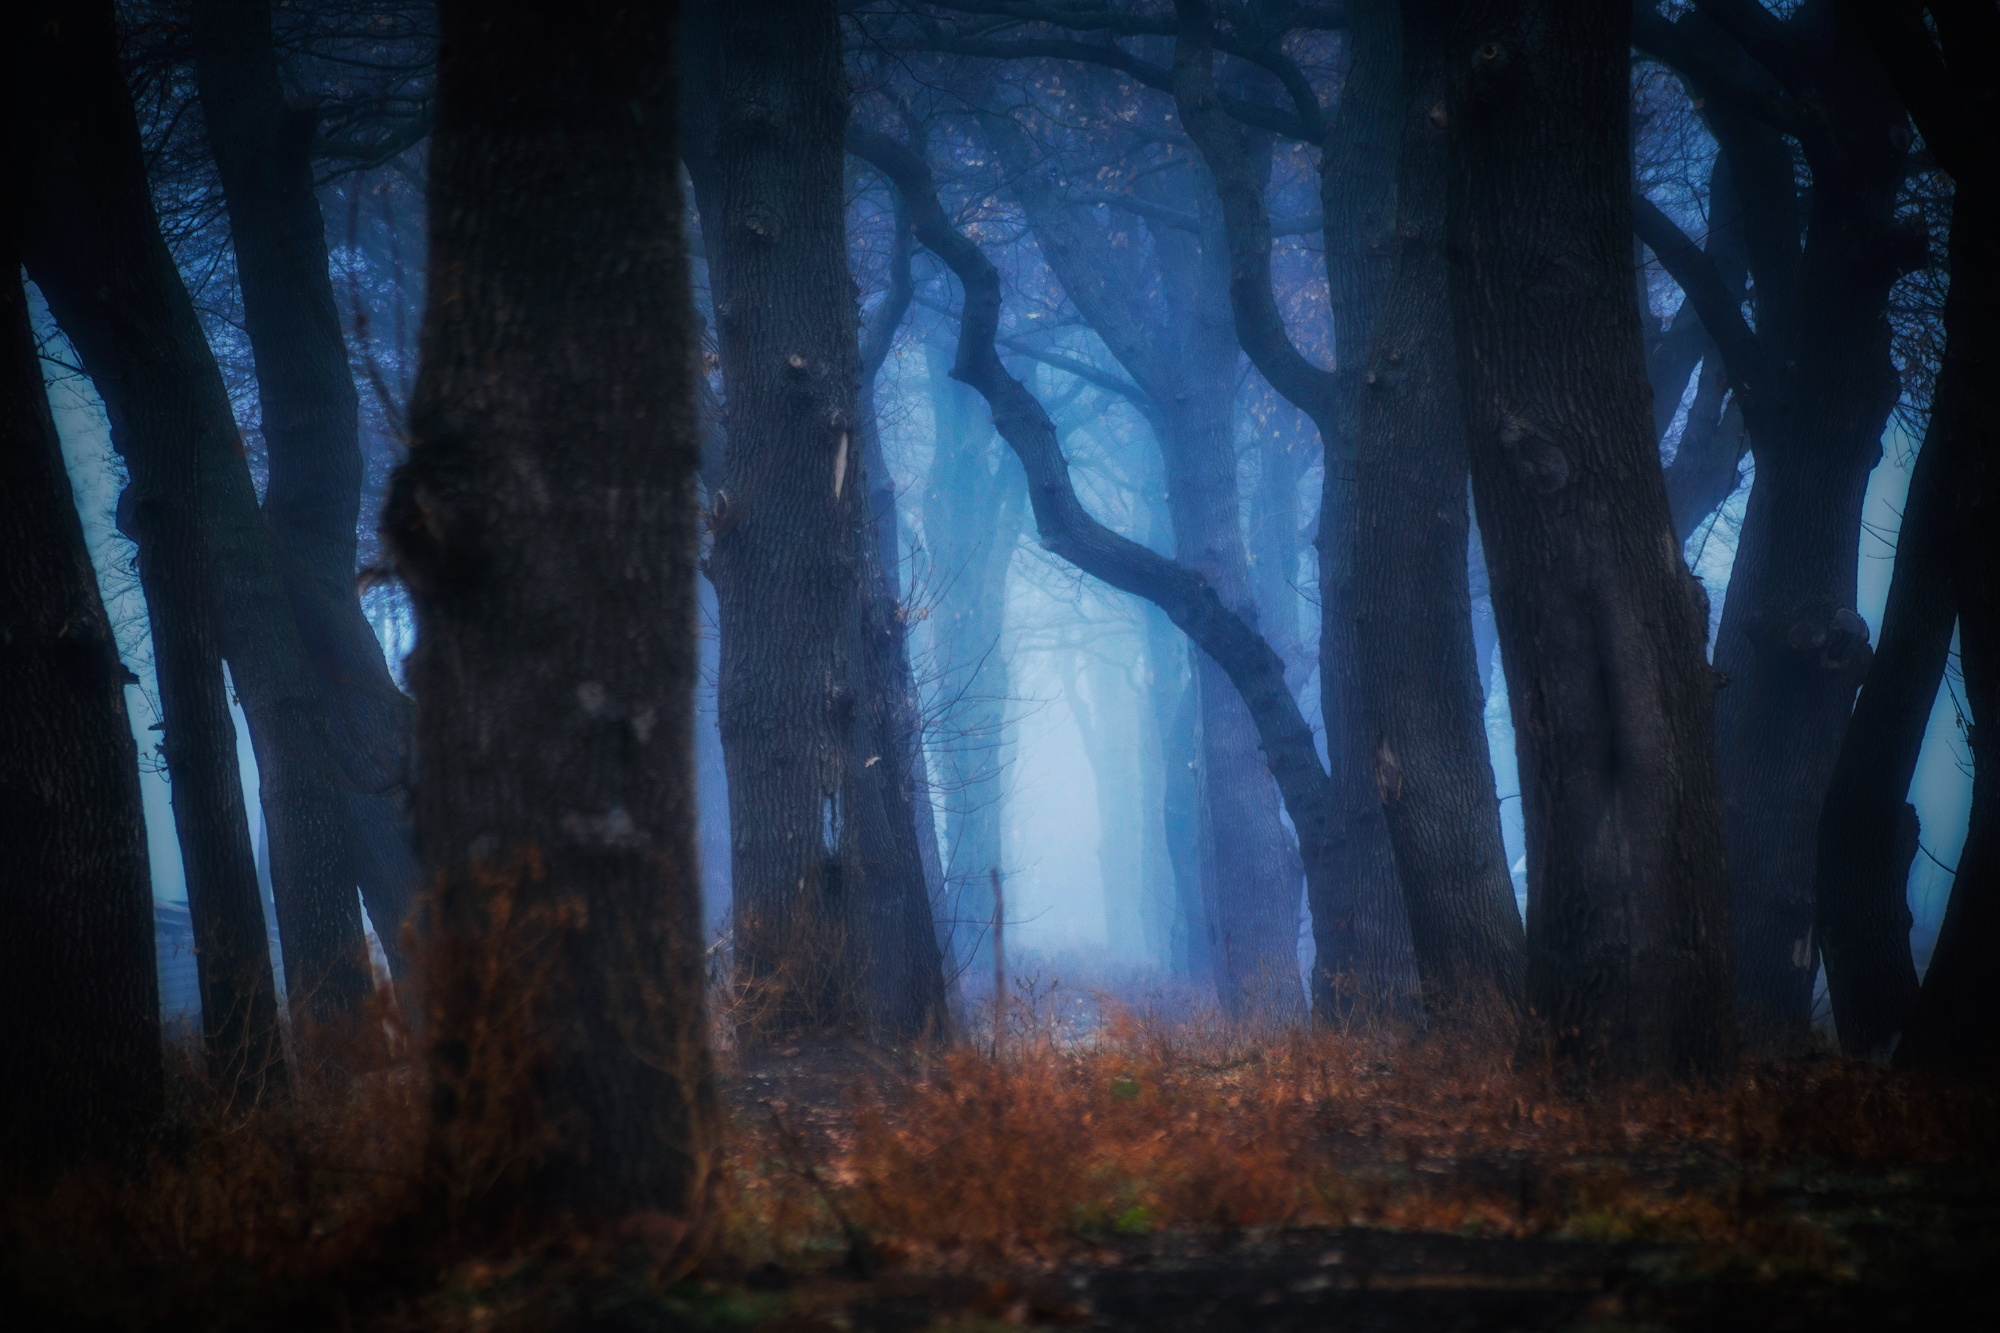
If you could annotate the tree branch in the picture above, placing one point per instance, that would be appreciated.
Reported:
(1720, 311)
(1069, 531)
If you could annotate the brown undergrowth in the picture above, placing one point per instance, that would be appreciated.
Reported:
(1052, 1149)
(309, 1212)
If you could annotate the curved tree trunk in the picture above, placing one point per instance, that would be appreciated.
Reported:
(81, 1042)
(545, 524)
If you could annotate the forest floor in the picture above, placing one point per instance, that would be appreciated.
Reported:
(1815, 1195)
(1119, 1173)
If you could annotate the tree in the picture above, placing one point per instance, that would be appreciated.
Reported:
(1816, 383)
(1420, 680)
(545, 524)
(93, 247)
(832, 912)
(1602, 627)
(82, 1043)
(262, 144)
(1947, 560)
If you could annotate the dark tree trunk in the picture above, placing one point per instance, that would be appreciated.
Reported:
(546, 526)
(1377, 962)
(77, 982)
(1602, 627)
(1868, 831)
(311, 434)
(1816, 383)
(1426, 703)
(831, 910)
(94, 248)
(1955, 1026)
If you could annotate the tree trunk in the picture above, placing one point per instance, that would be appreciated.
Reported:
(262, 150)
(1868, 831)
(545, 523)
(1426, 703)
(827, 873)
(1602, 628)
(1955, 1025)
(94, 249)
(77, 980)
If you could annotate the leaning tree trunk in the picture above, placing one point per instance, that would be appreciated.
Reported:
(77, 981)
(1602, 627)
(545, 524)
(93, 247)
(1426, 702)
(832, 918)
(262, 148)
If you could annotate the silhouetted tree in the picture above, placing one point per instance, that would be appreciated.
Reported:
(82, 1037)
(1602, 627)
(93, 247)
(546, 526)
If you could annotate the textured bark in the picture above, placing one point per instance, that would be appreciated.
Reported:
(77, 981)
(832, 913)
(311, 436)
(1426, 702)
(93, 247)
(1068, 530)
(545, 523)
(1602, 628)
(1816, 384)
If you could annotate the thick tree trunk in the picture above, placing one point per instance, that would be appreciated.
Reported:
(311, 434)
(77, 982)
(1426, 703)
(1602, 628)
(93, 247)
(828, 875)
(545, 524)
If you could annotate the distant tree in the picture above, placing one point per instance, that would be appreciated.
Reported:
(93, 247)
(1602, 627)
(77, 981)
(546, 526)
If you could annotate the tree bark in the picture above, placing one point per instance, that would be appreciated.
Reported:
(262, 147)
(832, 915)
(1426, 702)
(77, 979)
(546, 526)
(1602, 628)
(93, 247)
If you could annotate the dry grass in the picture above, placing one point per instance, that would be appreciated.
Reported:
(1079, 1136)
